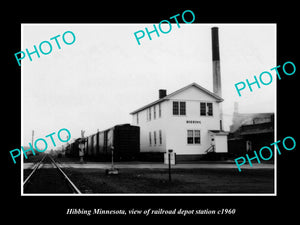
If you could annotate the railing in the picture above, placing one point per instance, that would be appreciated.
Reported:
(210, 149)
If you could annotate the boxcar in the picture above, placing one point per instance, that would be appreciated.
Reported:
(72, 149)
(126, 141)
(123, 139)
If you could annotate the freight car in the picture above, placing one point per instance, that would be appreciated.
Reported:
(72, 149)
(124, 139)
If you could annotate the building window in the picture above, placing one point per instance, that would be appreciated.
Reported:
(160, 137)
(147, 115)
(149, 111)
(190, 136)
(154, 112)
(159, 110)
(209, 109)
(179, 108)
(193, 136)
(182, 108)
(137, 118)
(150, 141)
(175, 108)
(154, 137)
(196, 136)
(202, 108)
(206, 109)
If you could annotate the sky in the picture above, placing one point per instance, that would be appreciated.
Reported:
(104, 75)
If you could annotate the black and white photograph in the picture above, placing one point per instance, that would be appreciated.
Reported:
(150, 111)
(162, 117)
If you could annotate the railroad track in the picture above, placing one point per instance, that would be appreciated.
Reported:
(48, 177)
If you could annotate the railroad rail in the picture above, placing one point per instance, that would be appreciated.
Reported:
(72, 185)
(46, 180)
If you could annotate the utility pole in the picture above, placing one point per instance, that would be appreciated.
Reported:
(82, 133)
(32, 137)
(169, 161)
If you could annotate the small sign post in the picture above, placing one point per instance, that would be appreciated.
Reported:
(112, 170)
(169, 159)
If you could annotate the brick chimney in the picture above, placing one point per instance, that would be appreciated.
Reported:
(162, 93)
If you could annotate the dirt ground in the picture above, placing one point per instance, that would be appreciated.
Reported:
(183, 181)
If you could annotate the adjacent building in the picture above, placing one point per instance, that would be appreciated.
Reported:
(250, 131)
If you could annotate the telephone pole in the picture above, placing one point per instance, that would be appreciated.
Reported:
(32, 137)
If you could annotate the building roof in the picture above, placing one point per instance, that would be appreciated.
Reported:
(260, 128)
(167, 97)
(218, 132)
(242, 119)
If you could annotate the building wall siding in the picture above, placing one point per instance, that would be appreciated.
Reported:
(177, 126)
(174, 127)
(146, 126)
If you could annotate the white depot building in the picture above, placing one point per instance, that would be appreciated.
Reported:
(188, 121)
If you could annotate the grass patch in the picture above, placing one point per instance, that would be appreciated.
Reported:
(183, 181)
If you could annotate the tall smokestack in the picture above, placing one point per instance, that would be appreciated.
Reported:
(216, 61)
(216, 68)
